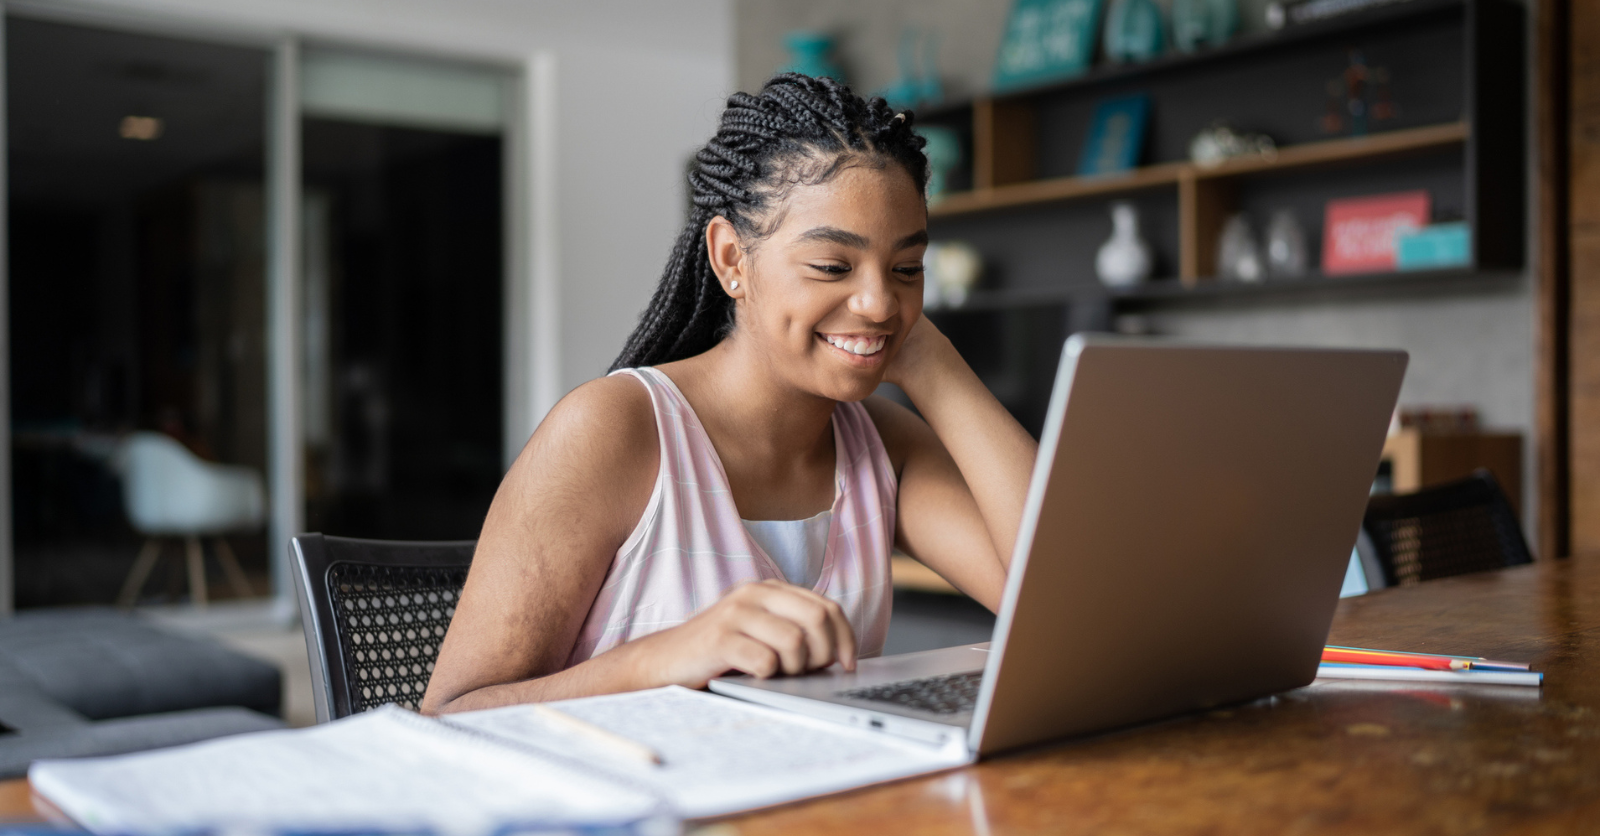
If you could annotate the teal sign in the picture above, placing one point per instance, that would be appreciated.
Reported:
(1047, 40)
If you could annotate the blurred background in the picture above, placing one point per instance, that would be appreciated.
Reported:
(326, 264)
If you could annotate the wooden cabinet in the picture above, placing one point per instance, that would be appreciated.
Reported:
(1416, 460)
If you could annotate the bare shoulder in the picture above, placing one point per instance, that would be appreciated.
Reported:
(598, 446)
(902, 430)
(610, 413)
(606, 427)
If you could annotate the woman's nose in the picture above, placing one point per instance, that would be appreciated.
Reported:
(875, 299)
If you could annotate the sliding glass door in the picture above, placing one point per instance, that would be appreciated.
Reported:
(144, 304)
(403, 290)
(136, 290)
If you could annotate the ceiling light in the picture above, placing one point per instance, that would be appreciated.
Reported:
(143, 128)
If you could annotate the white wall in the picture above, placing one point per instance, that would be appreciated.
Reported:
(638, 86)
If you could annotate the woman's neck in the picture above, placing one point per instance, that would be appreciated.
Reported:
(764, 428)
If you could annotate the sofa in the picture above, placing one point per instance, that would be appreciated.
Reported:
(84, 682)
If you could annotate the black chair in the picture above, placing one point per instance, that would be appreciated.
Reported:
(375, 613)
(1449, 529)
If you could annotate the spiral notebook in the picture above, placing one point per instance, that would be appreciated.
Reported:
(504, 770)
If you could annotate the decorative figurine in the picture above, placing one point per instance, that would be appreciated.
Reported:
(1286, 246)
(1133, 31)
(952, 268)
(1220, 143)
(1238, 257)
(1124, 259)
(1359, 96)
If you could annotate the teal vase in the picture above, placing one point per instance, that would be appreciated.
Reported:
(1197, 23)
(1133, 31)
(811, 53)
(943, 151)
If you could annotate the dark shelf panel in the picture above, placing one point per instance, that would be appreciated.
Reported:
(1241, 46)
(1166, 292)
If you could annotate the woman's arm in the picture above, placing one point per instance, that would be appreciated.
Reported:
(568, 503)
(966, 468)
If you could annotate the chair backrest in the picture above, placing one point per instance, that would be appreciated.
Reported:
(375, 612)
(168, 490)
(1449, 529)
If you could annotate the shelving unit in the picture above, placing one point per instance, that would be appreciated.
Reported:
(1456, 74)
(1202, 202)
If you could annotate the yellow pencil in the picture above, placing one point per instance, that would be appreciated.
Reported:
(631, 749)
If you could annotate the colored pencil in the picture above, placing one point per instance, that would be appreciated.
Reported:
(1478, 662)
(1362, 657)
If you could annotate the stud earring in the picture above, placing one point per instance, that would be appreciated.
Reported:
(735, 284)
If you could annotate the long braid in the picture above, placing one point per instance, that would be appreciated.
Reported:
(797, 131)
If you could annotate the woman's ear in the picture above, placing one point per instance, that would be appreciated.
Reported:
(728, 259)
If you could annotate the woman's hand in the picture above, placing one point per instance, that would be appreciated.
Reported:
(925, 347)
(762, 629)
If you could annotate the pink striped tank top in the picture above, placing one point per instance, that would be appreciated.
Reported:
(690, 546)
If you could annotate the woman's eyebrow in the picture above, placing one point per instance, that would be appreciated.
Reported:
(835, 235)
(915, 238)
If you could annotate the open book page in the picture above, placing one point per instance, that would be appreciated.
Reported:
(385, 770)
(720, 755)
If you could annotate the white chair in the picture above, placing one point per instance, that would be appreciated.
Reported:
(169, 492)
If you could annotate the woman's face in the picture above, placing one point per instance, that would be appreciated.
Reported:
(832, 293)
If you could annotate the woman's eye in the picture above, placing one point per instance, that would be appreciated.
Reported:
(910, 271)
(830, 269)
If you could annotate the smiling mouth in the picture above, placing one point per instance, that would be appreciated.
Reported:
(859, 346)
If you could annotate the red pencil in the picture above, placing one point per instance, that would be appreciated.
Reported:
(1402, 660)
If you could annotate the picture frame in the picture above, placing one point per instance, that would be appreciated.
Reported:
(1115, 141)
(1047, 40)
(1358, 233)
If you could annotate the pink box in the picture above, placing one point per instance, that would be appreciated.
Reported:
(1358, 233)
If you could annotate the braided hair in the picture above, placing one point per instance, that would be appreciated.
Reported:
(797, 131)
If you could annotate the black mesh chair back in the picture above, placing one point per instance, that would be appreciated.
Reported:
(1449, 529)
(374, 613)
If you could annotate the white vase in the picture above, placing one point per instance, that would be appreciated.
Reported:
(1124, 259)
(952, 268)
(1238, 257)
(1286, 246)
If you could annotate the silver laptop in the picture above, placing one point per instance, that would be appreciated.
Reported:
(1185, 538)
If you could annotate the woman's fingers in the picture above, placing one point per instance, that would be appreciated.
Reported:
(786, 638)
(828, 635)
(748, 655)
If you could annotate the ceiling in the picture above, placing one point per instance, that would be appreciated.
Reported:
(69, 87)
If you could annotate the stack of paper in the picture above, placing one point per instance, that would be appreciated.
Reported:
(501, 770)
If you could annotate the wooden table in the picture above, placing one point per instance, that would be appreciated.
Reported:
(1360, 758)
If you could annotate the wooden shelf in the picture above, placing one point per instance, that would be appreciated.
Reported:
(1169, 291)
(1304, 155)
(1333, 151)
(1063, 188)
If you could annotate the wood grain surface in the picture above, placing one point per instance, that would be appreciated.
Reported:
(1584, 261)
(1334, 758)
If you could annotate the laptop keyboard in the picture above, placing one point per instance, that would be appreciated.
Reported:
(948, 694)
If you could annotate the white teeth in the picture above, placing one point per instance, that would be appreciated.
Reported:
(858, 345)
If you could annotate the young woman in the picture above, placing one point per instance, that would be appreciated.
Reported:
(727, 499)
